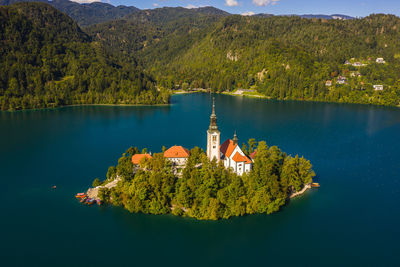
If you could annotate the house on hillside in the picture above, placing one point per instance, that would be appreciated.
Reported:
(378, 87)
(380, 60)
(328, 83)
(362, 85)
(357, 64)
(341, 80)
(178, 155)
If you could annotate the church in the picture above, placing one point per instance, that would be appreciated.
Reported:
(229, 152)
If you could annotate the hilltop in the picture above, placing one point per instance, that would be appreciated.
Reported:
(98, 12)
(84, 14)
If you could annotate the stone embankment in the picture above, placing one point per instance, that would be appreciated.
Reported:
(191, 91)
(93, 192)
(246, 93)
(306, 187)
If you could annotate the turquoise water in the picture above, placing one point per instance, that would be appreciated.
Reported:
(352, 220)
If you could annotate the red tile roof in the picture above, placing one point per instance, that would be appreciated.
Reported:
(227, 148)
(239, 158)
(138, 157)
(253, 155)
(177, 152)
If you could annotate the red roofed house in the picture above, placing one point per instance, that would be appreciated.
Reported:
(177, 154)
(229, 152)
(138, 157)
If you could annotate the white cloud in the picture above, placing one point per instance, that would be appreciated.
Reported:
(248, 13)
(190, 6)
(85, 1)
(231, 3)
(265, 2)
(156, 5)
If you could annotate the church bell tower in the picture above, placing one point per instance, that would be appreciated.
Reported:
(213, 137)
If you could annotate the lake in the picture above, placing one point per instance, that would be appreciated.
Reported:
(352, 220)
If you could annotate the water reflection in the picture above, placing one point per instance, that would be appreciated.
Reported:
(91, 112)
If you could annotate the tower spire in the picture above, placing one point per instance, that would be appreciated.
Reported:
(213, 118)
(213, 109)
(235, 139)
(213, 137)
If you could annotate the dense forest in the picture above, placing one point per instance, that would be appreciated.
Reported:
(206, 190)
(46, 60)
(286, 57)
(135, 56)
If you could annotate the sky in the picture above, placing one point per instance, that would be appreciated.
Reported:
(356, 8)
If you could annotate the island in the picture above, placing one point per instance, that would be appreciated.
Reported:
(225, 180)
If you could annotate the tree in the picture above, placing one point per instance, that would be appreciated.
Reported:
(244, 148)
(96, 182)
(252, 144)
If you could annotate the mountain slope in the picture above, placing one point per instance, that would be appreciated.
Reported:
(175, 28)
(46, 60)
(285, 58)
(84, 14)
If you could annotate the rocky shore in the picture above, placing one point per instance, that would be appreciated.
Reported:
(93, 192)
(302, 191)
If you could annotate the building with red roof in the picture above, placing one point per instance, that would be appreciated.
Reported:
(177, 154)
(138, 157)
(234, 158)
(229, 151)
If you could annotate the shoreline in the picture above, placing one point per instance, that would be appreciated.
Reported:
(301, 192)
(310, 100)
(182, 92)
(117, 105)
(82, 105)
(93, 192)
(194, 91)
(246, 95)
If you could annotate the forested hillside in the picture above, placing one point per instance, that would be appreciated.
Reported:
(280, 57)
(170, 30)
(84, 14)
(46, 61)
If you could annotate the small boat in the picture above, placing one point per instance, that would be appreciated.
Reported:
(90, 201)
(80, 195)
(83, 199)
(54, 187)
(315, 185)
(98, 202)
